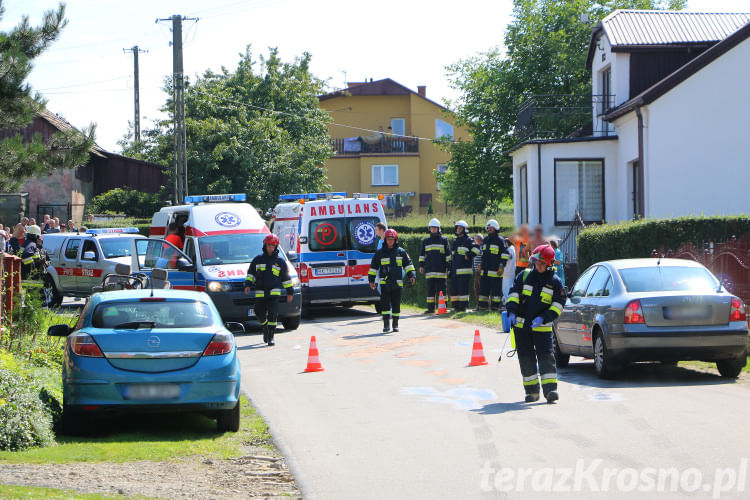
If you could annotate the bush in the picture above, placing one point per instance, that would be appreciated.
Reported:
(639, 238)
(143, 225)
(25, 420)
(127, 201)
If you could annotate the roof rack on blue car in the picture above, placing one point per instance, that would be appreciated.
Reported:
(113, 230)
(215, 198)
(312, 196)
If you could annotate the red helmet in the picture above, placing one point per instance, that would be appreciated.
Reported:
(271, 239)
(390, 233)
(544, 253)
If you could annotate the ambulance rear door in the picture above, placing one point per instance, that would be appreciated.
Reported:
(326, 252)
(361, 217)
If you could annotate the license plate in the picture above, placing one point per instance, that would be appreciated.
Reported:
(251, 313)
(326, 271)
(147, 392)
(687, 313)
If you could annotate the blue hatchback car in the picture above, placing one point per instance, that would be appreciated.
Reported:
(150, 351)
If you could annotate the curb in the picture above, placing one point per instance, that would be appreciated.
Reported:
(303, 485)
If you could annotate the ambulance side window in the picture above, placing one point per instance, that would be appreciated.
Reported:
(327, 235)
(362, 235)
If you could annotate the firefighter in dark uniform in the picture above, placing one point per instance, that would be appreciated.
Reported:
(267, 275)
(390, 263)
(535, 301)
(494, 258)
(463, 253)
(434, 263)
(29, 250)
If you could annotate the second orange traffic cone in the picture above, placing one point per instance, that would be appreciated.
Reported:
(441, 304)
(477, 351)
(313, 359)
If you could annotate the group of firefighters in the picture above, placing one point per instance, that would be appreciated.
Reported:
(533, 303)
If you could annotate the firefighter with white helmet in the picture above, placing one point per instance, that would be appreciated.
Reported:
(267, 275)
(434, 263)
(535, 302)
(494, 257)
(463, 252)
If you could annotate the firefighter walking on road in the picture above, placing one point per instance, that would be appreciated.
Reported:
(434, 263)
(267, 275)
(535, 301)
(463, 253)
(390, 263)
(494, 257)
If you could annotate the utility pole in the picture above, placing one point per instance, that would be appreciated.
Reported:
(136, 91)
(178, 86)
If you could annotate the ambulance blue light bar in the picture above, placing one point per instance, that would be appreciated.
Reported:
(113, 230)
(215, 198)
(311, 196)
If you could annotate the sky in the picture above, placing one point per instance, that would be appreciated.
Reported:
(87, 78)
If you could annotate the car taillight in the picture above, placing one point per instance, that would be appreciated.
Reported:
(221, 343)
(737, 312)
(303, 273)
(634, 313)
(83, 344)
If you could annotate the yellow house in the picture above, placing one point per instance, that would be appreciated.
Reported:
(400, 160)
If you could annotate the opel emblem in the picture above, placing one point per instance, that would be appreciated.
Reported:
(153, 341)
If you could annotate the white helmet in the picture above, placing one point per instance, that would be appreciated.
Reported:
(35, 230)
(461, 223)
(493, 224)
(434, 223)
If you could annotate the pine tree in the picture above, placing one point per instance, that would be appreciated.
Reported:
(20, 160)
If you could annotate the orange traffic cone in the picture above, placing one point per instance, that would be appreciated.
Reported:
(313, 360)
(441, 304)
(477, 351)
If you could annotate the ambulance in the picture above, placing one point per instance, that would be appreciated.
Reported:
(222, 234)
(334, 239)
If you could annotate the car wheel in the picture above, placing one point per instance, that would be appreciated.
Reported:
(229, 420)
(562, 360)
(50, 296)
(605, 366)
(291, 322)
(731, 368)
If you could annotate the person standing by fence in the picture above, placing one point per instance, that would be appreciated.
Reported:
(477, 265)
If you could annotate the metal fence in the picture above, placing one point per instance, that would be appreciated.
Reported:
(569, 248)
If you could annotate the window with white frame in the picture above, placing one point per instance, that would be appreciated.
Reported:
(398, 126)
(523, 189)
(385, 175)
(579, 186)
(443, 129)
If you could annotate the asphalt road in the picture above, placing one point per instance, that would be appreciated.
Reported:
(402, 416)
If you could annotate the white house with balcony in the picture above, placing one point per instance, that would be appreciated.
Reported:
(670, 126)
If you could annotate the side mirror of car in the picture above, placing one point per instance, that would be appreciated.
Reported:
(574, 300)
(59, 331)
(234, 327)
(89, 255)
(184, 264)
(292, 256)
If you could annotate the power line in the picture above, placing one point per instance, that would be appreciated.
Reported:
(310, 118)
(85, 84)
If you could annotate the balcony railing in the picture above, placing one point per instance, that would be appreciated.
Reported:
(555, 116)
(374, 145)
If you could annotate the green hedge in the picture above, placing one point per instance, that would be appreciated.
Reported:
(639, 238)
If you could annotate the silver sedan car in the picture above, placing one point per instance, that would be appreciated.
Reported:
(652, 310)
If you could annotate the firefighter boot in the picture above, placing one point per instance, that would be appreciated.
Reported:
(552, 396)
(386, 324)
(532, 397)
(271, 332)
(395, 324)
(265, 333)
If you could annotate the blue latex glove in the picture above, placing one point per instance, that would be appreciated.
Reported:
(512, 319)
(537, 322)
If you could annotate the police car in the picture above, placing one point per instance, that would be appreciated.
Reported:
(78, 262)
(334, 238)
(222, 234)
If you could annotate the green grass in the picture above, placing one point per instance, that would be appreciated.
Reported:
(168, 437)
(704, 365)
(481, 318)
(8, 492)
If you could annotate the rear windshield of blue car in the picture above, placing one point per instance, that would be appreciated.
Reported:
(668, 279)
(167, 314)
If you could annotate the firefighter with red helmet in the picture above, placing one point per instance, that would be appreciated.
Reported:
(535, 301)
(267, 276)
(391, 264)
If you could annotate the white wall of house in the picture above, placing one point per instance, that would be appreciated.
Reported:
(627, 153)
(696, 141)
(619, 64)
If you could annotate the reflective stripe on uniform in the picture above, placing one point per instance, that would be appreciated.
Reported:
(395, 315)
(549, 378)
(513, 297)
(259, 293)
(475, 250)
(372, 271)
(462, 250)
(421, 259)
(519, 322)
(464, 271)
(494, 274)
(250, 278)
(287, 284)
(545, 327)
(531, 379)
(385, 261)
(483, 298)
(260, 267)
(430, 300)
(556, 307)
(408, 268)
(527, 289)
(494, 249)
(434, 248)
(462, 298)
(275, 291)
(435, 275)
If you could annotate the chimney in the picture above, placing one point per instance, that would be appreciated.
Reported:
(422, 90)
